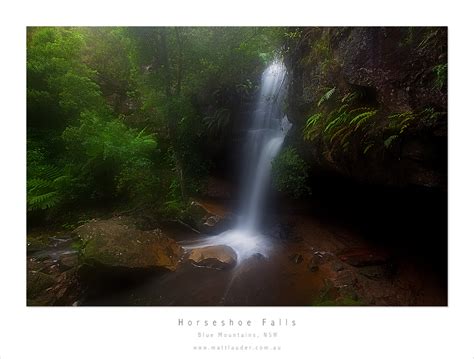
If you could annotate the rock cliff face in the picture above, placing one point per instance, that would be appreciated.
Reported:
(371, 103)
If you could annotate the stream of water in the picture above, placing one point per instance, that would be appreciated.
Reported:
(265, 136)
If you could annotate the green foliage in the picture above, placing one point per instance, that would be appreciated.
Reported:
(295, 34)
(368, 148)
(337, 125)
(42, 192)
(388, 142)
(45, 182)
(290, 173)
(401, 122)
(174, 206)
(245, 88)
(59, 84)
(329, 297)
(428, 38)
(310, 130)
(100, 101)
(321, 52)
(441, 73)
(326, 96)
(218, 122)
(108, 155)
(103, 139)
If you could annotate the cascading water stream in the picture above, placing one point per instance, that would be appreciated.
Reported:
(265, 136)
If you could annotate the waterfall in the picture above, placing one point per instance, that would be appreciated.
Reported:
(268, 130)
(265, 136)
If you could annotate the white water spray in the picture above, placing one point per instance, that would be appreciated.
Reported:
(264, 138)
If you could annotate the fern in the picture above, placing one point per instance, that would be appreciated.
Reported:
(401, 121)
(43, 201)
(326, 96)
(441, 73)
(362, 118)
(388, 142)
(429, 36)
(218, 121)
(43, 189)
(338, 124)
(309, 131)
(341, 130)
(341, 118)
(368, 147)
(349, 97)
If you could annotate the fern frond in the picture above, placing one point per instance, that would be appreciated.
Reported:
(49, 172)
(337, 133)
(43, 189)
(309, 129)
(362, 118)
(37, 183)
(338, 120)
(348, 98)
(326, 96)
(368, 147)
(43, 201)
(389, 141)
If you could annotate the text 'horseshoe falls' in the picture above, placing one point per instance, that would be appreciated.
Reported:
(265, 136)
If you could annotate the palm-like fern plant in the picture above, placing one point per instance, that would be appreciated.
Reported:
(43, 187)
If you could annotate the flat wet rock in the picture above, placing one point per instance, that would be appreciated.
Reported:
(215, 257)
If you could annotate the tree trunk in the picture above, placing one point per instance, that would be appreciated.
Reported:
(172, 115)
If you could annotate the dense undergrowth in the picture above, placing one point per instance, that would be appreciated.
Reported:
(120, 116)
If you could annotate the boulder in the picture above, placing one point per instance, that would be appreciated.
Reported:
(216, 257)
(208, 219)
(117, 243)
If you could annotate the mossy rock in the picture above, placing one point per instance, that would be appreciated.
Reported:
(117, 242)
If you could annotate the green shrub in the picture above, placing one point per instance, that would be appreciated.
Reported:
(110, 157)
(44, 188)
(45, 182)
(441, 73)
(290, 173)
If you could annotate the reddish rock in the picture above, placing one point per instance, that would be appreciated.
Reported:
(361, 257)
(216, 257)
